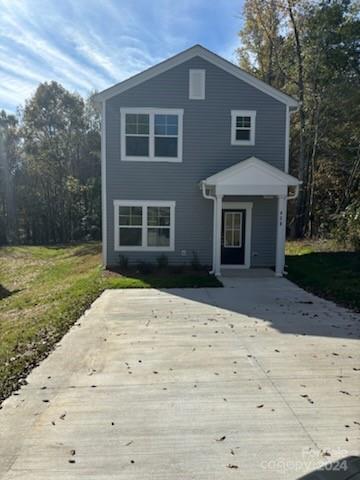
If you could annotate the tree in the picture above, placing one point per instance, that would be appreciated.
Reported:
(316, 58)
(58, 185)
(9, 157)
(260, 40)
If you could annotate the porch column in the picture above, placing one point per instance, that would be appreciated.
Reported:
(281, 235)
(217, 239)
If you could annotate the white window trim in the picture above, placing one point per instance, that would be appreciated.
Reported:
(192, 95)
(151, 112)
(144, 204)
(243, 113)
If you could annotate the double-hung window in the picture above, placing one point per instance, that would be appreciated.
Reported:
(243, 127)
(150, 134)
(144, 225)
(137, 134)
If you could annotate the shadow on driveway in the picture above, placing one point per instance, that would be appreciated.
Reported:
(277, 301)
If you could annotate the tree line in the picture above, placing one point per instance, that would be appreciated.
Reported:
(50, 151)
(311, 50)
(50, 169)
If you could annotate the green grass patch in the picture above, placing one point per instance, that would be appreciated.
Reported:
(324, 269)
(43, 290)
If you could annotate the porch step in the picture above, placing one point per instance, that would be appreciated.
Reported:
(247, 273)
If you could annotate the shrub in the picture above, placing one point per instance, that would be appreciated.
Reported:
(195, 264)
(162, 261)
(123, 262)
(145, 267)
(177, 269)
(347, 230)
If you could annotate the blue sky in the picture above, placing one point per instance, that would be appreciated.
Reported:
(92, 44)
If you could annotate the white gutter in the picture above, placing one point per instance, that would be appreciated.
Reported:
(210, 197)
(295, 194)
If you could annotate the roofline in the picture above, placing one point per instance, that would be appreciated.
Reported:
(274, 171)
(196, 50)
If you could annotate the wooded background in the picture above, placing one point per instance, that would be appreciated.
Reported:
(50, 150)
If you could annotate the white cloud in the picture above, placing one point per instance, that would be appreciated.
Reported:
(88, 45)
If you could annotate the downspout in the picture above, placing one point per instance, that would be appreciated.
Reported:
(210, 197)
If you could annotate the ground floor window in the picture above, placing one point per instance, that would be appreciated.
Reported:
(144, 225)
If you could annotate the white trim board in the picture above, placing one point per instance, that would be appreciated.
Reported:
(287, 139)
(144, 204)
(195, 51)
(103, 186)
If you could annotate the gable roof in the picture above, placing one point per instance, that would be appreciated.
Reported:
(252, 171)
(195, 51)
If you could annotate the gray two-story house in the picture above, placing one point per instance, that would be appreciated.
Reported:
(195, 158)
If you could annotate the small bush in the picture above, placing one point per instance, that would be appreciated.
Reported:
(162, 261)
(145, 267)
(195, 263)
(123, 262)
(177, 269)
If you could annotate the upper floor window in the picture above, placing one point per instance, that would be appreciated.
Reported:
(243, 127)
(149, 134)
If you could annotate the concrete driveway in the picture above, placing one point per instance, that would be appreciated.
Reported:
(258, 380)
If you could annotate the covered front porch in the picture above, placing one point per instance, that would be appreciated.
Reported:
(249, 196)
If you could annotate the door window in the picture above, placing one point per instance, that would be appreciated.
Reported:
(233, 229)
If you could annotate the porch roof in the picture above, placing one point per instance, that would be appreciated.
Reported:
(252, 177)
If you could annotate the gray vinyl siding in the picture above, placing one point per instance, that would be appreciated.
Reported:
(206, 150)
